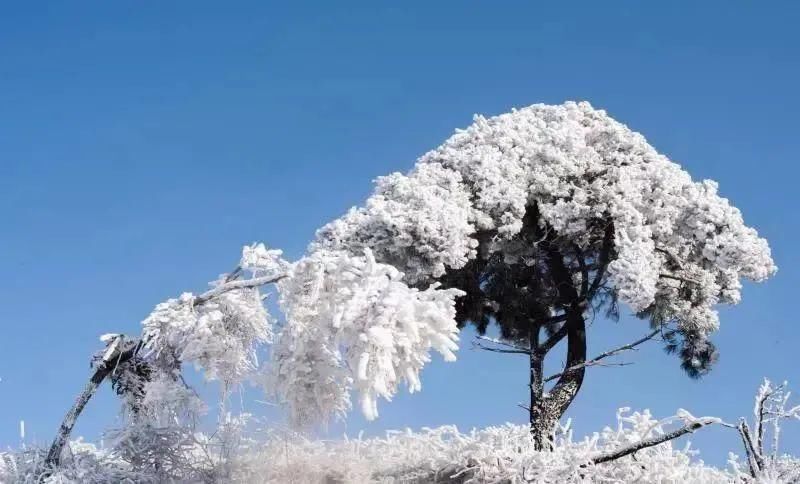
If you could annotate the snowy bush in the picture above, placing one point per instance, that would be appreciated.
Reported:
(494, 454)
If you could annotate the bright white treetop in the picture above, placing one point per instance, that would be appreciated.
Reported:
(364, 321)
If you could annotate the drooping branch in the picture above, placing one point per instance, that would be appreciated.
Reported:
(596, 360)
(120, 351)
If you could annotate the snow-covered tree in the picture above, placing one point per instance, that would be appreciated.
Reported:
(218, 331)
(535, 220)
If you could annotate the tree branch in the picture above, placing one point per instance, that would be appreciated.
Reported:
(596, 360)
(118, 352)
(754, 460)
(507, 344)
(236, 284)
(513, 350)
(660, 439)
(553, 340)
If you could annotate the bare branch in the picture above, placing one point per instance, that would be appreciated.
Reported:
(502, 343)
(235, 273)
(553, 339)
(500, 350)
(596, 360)
(510, 348)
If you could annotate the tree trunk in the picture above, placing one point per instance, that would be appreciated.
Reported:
(547, 410)
(54, 454)
(536, 384)
(119, 351)
(553, 404)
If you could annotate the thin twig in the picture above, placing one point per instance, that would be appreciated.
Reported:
(595, 361)
(500, 350)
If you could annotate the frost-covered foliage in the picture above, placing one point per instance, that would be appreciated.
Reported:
(86, 463)
(240, 452)
(767, 464)
(678, 250)
(494, 454)
(218, 333)
(352, 322)
(141, 455)
(576, 164)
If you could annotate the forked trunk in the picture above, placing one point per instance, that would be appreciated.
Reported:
(547, 409)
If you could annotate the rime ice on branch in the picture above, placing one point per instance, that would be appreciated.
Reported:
(536, 216)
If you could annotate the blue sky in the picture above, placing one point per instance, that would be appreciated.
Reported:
(142, 144)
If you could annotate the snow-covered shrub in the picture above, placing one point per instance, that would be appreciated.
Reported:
(84, 463)
(766, 463)
(495, 454)
(238, 452)
(443, 454)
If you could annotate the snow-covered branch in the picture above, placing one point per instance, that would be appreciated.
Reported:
(506, 346)
(691, 425)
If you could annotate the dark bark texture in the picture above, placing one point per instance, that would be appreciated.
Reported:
(539, 300)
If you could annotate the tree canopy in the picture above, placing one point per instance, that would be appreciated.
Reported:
(565, 192)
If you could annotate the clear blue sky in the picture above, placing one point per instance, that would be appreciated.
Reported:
(142, 143)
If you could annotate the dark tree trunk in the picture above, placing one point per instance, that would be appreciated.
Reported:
(118, 353)
(547, 410)
(54, 454)
(536, 384)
